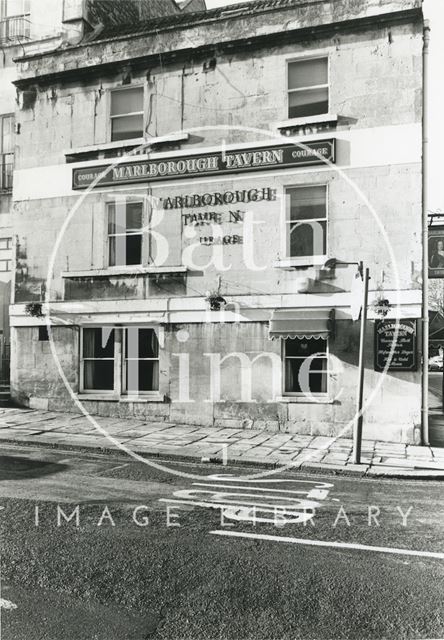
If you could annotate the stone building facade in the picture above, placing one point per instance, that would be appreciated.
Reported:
(181, 182)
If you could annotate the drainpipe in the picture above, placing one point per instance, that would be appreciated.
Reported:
(425, 239)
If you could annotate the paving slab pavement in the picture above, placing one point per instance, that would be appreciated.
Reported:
(275, 449)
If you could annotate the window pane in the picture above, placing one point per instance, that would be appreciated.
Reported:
(308, 239)
(313, 102)
(98, 375)
(98, 342)
(125, 216)
(141, 343)
(142, 375)
(125, 250)
(307, 73)
(307, 203)
(7, 129)
(127, 127)
(133, 249)
(134, 215)
(318, 382)
(292, 368)
(126, 101)
(297, 381)
(305, 348)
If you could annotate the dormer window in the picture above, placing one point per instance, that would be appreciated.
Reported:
(127, 113)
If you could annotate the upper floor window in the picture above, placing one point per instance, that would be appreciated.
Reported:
(308, 87)
(15, 19)
(5, 243)
(6, 151)
(125, 233)
(5, 265)
(306, 221)
(127, 113)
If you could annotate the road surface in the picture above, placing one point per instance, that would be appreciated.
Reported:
(100, 547)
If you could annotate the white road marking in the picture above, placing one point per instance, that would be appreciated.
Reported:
(314, 493)
(334, 545)
(7, 604)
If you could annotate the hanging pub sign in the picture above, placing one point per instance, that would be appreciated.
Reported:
(405, 353)
(436, 252)
(281, 156)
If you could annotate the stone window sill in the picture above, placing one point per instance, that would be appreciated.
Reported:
(305, 399)
(124, 270)
(122, 399)
(131, 142)
(307, 121)
(306, 261)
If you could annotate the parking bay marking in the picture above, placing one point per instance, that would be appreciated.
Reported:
(334, 545)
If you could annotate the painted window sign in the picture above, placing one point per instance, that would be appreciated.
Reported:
(207, 164)
(405, 353)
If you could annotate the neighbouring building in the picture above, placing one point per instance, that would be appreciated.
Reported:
(187, 187)
(25, 26)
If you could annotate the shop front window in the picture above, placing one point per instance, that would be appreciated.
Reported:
(306, 366)
(121, 361)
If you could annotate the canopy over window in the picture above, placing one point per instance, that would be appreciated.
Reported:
(302, 323)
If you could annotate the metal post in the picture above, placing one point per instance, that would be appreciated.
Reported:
(357, 431)
(425, 241)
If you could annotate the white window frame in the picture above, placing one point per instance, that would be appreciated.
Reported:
(8, 266)
(8, 246)
(309, 260)
(301, 394)
(119, 393)
(127, 87)
(95, 392)
(319, 86)
(143, 249)
(151, 392)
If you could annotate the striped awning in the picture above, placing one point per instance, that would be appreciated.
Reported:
(302, 323)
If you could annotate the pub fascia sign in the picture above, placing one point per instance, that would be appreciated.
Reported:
(281, 156)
